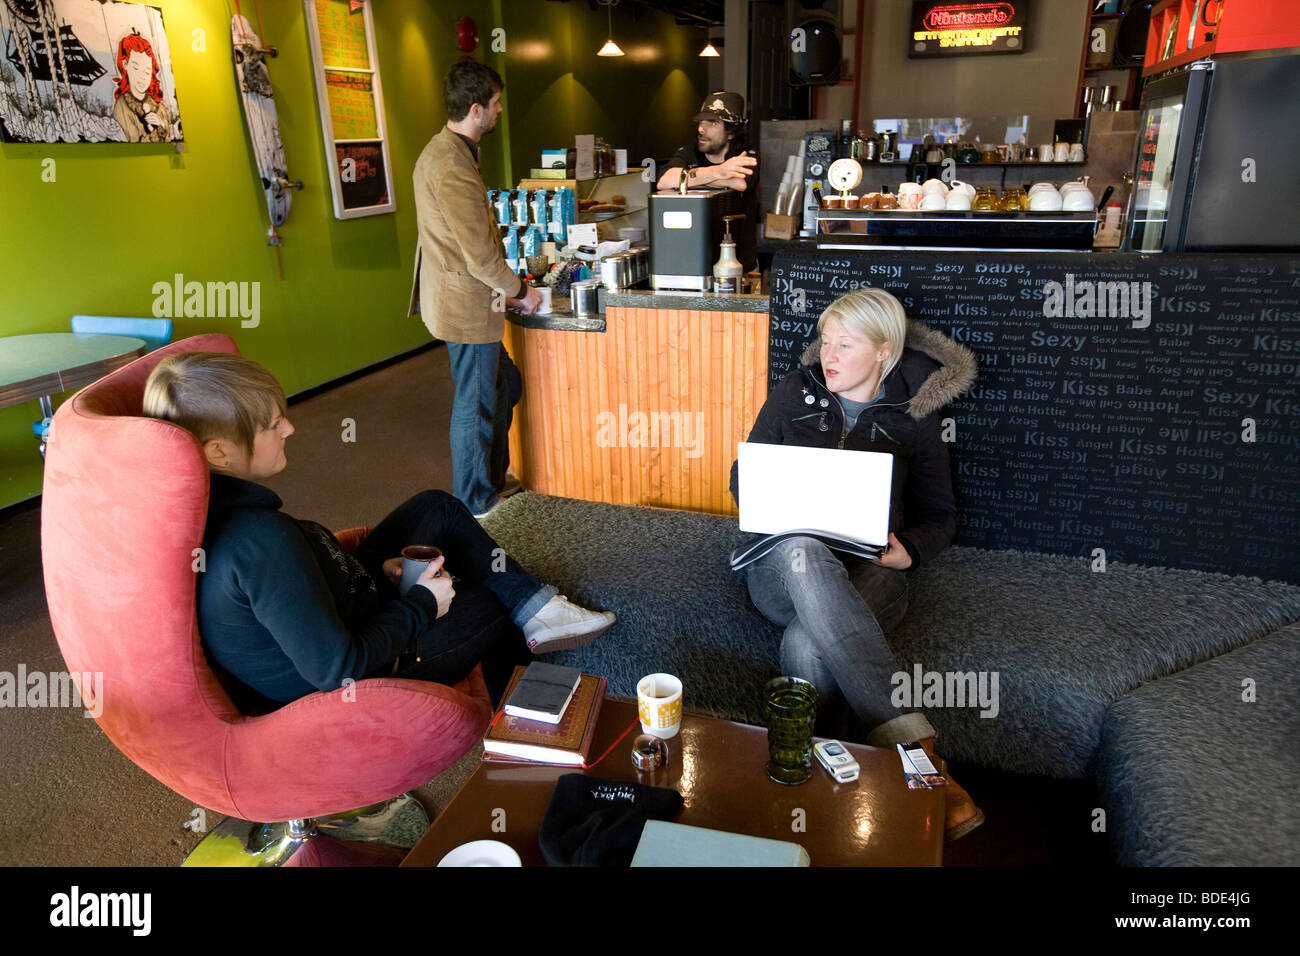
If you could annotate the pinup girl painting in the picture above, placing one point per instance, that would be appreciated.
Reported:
(139, 108)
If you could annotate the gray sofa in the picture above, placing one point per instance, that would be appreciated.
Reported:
(1130, 675)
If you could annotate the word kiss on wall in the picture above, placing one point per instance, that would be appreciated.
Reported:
(1146, 405)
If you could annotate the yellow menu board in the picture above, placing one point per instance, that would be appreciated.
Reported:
(350, 95)
(352, 105)
(342, 34)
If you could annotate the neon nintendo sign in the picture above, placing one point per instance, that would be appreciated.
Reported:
(955, 29)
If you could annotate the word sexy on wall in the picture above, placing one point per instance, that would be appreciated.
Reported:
(1146, 405)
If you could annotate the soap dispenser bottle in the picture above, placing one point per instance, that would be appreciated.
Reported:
(727, 271)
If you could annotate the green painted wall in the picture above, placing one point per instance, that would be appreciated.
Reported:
(119, 218)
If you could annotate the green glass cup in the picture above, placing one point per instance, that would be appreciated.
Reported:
(791, 711)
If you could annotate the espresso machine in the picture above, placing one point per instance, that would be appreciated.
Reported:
(686, 230)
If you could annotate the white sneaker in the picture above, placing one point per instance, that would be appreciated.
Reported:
(492, 506)
(561, 626)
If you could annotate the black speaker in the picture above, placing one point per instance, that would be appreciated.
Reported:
(816, 49)
(1131, 43)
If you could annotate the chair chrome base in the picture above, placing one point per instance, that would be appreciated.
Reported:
(377, 835)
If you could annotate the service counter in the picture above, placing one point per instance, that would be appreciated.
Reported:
(643, 404)
(1147, 405)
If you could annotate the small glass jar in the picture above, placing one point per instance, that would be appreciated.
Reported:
(986, 199)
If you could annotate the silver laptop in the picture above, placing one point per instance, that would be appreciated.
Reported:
(831, 491)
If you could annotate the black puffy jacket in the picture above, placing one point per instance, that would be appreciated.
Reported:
(904, 423)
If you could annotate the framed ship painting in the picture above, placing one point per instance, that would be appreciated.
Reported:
(85, 71)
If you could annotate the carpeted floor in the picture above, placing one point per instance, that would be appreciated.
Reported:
(68, 797)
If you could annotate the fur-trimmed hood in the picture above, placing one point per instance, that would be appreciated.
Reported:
(955, 375)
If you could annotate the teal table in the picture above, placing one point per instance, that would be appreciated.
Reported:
(38, 366)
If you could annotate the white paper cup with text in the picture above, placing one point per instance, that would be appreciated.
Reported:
(659, 704)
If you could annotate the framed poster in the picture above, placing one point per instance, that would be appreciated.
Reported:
(84, 71)
(351, 106)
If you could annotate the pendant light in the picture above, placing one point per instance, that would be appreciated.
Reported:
(710, 50)
(610, 48)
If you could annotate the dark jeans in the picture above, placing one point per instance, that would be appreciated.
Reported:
(494, 595)
(488, 387)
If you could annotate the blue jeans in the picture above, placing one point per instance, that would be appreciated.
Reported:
(488, 388)
(835, 617)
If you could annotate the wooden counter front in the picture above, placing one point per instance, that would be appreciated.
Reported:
(648, 412)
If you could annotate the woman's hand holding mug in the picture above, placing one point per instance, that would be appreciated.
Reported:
(440, 584)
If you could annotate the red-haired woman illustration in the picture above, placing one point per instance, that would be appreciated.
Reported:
(139, 108)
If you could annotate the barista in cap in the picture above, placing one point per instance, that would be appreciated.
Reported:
(718, 157)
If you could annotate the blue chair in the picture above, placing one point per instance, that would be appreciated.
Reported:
(155, 332)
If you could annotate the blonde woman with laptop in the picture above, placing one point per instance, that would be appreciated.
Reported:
(870, 381)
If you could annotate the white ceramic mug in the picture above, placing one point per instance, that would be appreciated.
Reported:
(1045, 153)
(1046, 200)
(1076, 152)
(659, 704)
(1062, 152)
(957, 199)
(1079, 200)
(933, 201)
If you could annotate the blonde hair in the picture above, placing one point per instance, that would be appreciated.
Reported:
(214, 395)
(875, 314)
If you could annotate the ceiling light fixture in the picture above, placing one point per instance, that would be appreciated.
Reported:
(710, 50)
(610, 48)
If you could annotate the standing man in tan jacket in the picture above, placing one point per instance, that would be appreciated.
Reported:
(463, 285)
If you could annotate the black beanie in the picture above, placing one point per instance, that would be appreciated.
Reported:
(594, 822)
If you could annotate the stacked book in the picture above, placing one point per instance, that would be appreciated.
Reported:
(549, 716)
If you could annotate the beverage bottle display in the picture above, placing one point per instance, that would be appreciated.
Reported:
(727, 271)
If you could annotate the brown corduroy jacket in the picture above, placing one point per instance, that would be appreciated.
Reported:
(460, 269)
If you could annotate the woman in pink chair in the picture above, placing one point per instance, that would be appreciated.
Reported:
(286, 611)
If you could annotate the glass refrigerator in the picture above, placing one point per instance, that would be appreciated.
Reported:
(1218, 157)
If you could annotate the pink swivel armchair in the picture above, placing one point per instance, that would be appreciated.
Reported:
(125, 500)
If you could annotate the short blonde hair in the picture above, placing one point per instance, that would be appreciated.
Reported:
(214, 395)
(875, 314)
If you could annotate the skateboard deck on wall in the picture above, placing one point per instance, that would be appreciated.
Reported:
(260, 117)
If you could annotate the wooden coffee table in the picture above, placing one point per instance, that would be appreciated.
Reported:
(717, 767)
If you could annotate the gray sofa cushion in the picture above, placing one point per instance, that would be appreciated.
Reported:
(1190, 774)
(1066, 642)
